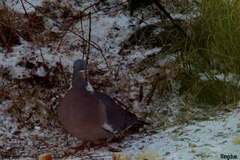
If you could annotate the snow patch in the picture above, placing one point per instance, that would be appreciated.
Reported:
(18, 7)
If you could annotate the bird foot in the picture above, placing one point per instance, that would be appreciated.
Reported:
(74, 149)
(89, 145)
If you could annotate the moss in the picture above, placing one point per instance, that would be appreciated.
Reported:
(236, 140)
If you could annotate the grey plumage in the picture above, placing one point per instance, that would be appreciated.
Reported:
(79, 80)
(91, 115)
(119, 118)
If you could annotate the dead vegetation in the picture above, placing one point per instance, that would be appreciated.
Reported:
(35, 97)
(29, 26)
(8, 28)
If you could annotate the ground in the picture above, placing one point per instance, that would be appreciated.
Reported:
(36, 74)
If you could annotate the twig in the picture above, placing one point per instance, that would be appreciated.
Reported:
(83, 43)
(140, 97)
(61, 68)
(62, 39)
(154, 86)
(109, 8)
(150, 95)
(2, 37)
(162, 8)
(90, 6)
(43, 59)
(24, 8)
(88, 46)
(29, 23)
(74, 18)
(93, 44)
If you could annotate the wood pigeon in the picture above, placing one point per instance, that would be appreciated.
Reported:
(89, 115)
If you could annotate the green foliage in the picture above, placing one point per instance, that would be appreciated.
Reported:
(213, 50)
(213, 91)
(236, 140)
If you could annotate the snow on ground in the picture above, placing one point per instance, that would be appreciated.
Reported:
(17, 5)
(206, 140)
(199, 140)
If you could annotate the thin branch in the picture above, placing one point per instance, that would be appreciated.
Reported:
(24, 8)
(93, 44)
(108, 8)
(43, 59)
(162, 8)
(62, 70)
(90, 6)
(88, 46)
(83, 43)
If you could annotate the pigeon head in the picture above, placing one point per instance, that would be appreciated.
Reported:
(79, 65)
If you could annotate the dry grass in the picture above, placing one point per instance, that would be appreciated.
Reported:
(30, 27)
(34, 98)
(8, 28)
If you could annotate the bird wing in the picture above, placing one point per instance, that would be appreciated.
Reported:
(117, 119)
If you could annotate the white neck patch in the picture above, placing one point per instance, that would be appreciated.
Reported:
(89, 87)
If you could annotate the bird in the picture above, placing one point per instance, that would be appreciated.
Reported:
(92, 116)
